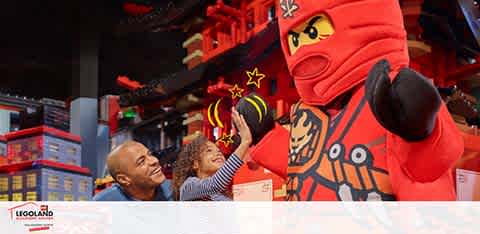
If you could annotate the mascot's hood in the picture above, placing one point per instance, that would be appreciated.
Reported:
(365, 31)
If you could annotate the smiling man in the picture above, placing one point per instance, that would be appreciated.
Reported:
(137, 174)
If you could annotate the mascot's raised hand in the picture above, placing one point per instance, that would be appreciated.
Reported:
(406, 106)
(257, 114)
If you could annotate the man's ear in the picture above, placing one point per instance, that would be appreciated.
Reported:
(123, 179)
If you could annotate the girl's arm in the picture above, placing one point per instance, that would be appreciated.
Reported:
(195, 188)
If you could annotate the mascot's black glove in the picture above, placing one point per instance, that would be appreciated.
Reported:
(257, 114)
(407, 106)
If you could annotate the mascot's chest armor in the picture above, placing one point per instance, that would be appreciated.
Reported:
(340, 158)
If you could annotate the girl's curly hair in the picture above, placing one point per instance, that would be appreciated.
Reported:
(184, 164)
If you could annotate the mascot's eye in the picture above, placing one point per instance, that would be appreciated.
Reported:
(312, 32)
(295, 40)
(335, 151)
(359, 155)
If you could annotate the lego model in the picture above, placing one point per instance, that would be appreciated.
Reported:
(42, 161)
(32, 113)
(44, 143)
(3, 150)
(44, 180)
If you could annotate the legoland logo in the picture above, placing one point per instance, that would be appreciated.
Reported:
(34, 216)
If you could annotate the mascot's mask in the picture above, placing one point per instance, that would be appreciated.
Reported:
(330, 45)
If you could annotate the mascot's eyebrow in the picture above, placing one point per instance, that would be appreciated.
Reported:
(295, 34)
(311, 22)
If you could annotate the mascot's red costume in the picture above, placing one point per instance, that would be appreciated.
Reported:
(367, 127)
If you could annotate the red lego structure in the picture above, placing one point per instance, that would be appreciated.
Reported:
(251, 26)
(125, 82)
(3, 150)
(239, 23)
(109, 109)
(227, 27)
(194, 124)
(135, 9)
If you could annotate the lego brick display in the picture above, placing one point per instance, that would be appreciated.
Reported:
(193, 43)
(109, 109)
(103, 183)
(58, 184)
(44, 143)
(3, 150)
(48, 115)
(34, 113)
(4, 187)
(194, 122)
(44, 181)
(194, 46)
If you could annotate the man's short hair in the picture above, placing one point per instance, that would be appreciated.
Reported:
(113, 157)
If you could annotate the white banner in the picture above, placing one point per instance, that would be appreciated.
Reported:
(239, 217)
(468, 185)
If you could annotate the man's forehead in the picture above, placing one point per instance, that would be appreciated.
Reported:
(136, 147)
(132, 150)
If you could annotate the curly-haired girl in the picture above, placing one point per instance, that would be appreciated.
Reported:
(201, 172)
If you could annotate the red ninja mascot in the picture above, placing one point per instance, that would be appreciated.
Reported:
(367, 127)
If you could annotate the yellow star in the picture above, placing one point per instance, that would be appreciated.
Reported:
(254, 77)
(236, 91)
(226, 139)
